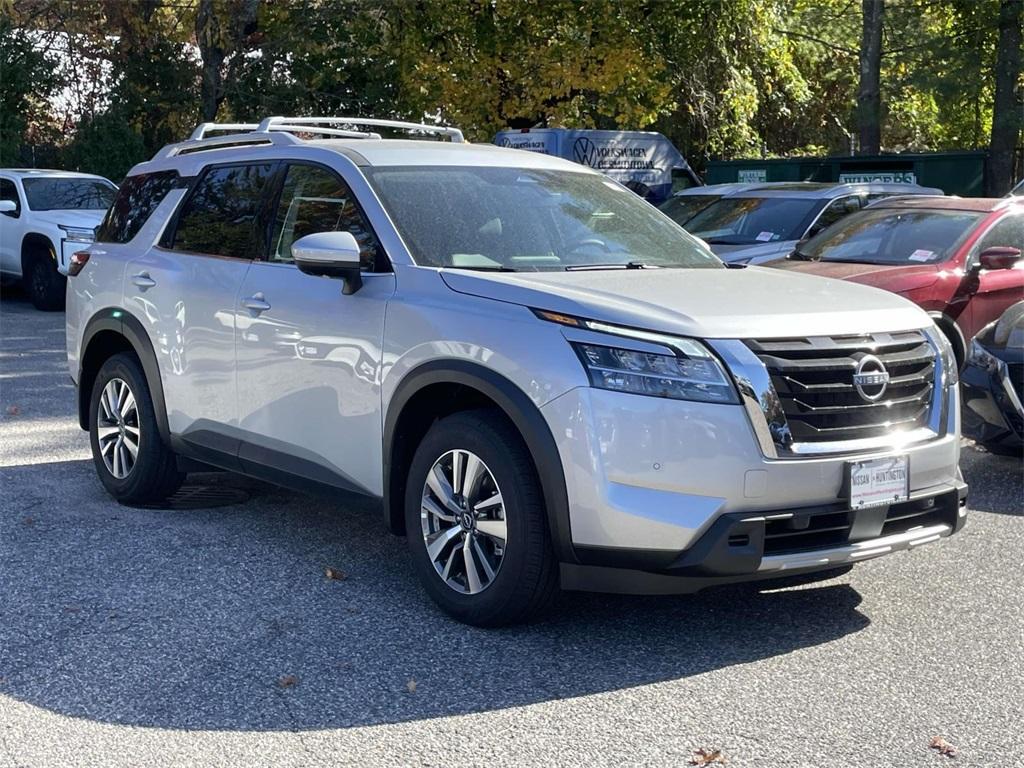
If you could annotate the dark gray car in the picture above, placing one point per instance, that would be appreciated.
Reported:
(761, 223)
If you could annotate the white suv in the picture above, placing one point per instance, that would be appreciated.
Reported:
(45, 216)
(543, 378)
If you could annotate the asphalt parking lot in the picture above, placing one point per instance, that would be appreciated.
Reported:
(134, 637)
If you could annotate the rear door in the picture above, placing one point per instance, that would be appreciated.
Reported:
(996, 289)
(309, 357)
(186, 289)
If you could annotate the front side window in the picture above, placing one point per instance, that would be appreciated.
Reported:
(315, 200)
(516, 219)
(219, 217)
(136, 200)
(833, 212)
(892, 236)
(684, 207)
(1007, 232)
(9, 192)
(750, 220)
(67, 194)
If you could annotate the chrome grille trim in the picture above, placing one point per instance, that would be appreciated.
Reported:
(787, 426)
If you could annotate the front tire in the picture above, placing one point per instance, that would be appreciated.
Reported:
(45, 285)
(131, 459)
(476, 522)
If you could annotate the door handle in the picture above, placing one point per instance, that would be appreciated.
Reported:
(256, 303)
(143, 280)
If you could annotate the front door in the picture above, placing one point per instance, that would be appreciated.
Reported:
(996, 289)
(12, 229)
(309, 357)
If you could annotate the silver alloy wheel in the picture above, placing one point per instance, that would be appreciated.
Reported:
(462, 515)
(117, 428)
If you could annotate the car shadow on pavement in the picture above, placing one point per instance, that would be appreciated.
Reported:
(996, 481)
(224, 619)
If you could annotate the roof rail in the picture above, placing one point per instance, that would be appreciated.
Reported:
(282, 130)
(205, 128)
(230, 140)
(298, 123)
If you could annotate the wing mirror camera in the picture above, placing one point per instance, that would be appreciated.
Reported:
(330, 254)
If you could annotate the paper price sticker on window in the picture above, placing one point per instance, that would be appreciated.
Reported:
(922, 254)
(765, 237)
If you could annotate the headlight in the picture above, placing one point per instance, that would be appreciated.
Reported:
(982, 358)
(695, 375)
(946, 353)
(78, 234)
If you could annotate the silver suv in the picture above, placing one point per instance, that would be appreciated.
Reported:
(543, 378)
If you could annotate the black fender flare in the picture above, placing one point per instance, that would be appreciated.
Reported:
(956, 337)
(131, 329)
(518, 408)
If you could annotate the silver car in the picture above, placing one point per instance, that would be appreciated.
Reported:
(757, 223)
(543, 379)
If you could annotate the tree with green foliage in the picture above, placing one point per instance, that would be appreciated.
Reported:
(26, 81)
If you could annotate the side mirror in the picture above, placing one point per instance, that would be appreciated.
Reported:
(8, 207)
(999, 257)
(330, 254)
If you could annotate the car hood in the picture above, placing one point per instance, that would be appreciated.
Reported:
(900, 277)
(755, 252)
(708, 303)
(70, 218)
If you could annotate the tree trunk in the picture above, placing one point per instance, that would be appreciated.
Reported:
(214, 46)
(211, 49)
(869, 95)
(1007, 107)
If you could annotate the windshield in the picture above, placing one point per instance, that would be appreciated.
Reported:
(529, 220)
(747, 220)
(889, 236)
(681, 209)
(68, 194)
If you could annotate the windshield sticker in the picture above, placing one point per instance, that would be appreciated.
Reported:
(922, 254)
(765, 237)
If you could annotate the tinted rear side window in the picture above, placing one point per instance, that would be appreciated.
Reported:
(219, 216)
(136, 200)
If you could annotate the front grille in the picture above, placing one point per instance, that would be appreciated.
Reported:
(808, 532)
(813, 378)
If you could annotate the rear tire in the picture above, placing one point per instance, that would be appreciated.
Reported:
(45, 285)
(132, 461)
(501, 514)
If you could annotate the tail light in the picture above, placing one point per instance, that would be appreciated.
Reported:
(78, 260)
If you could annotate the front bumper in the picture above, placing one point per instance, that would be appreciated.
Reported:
(652, 483)
(752, 547)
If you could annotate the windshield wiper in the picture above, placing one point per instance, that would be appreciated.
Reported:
(486, 268)
(799, 255)
(626, 265)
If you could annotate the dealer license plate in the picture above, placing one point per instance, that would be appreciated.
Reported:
(879, 481)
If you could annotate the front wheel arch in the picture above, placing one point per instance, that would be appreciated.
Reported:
(467, 385)
(953, 333)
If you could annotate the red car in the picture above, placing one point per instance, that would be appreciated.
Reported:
(957, 258)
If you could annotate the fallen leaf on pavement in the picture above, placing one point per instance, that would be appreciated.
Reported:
(411, 686)
(334, 574)
(28, 520)
(13, 410)
(287, 681)
(707, 756)
(943, 746)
